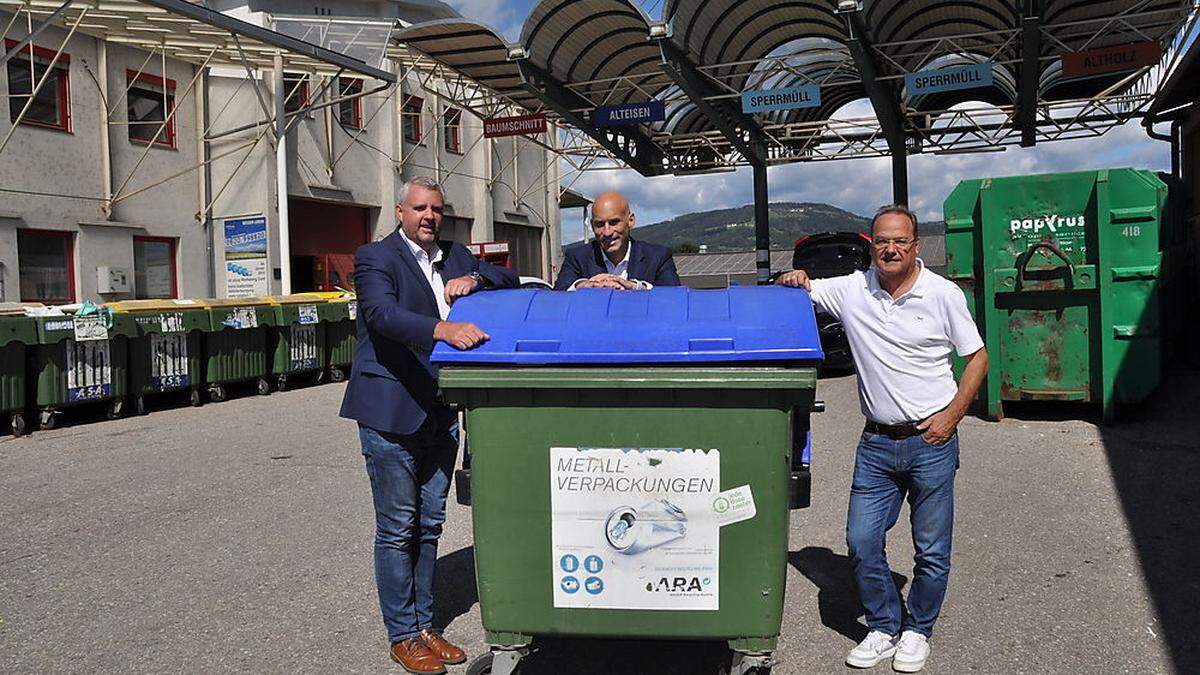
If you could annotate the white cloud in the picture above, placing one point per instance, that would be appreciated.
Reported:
(862, 185)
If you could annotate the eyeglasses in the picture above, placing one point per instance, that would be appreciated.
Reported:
(903, 243)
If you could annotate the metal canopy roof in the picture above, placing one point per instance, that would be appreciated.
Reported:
(574, 55)
(190, 32)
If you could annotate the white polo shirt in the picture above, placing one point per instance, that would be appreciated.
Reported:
(901, 347)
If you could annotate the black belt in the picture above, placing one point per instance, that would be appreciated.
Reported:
(895, 431)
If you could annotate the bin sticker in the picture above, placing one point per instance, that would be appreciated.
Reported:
(352, 308)
(302, 353)
(89, 370)
(169, 361)
(90, 328)
(734, 506)
(307, 314)
(171, 322)
(1069, 232)
(242, 317)
(635, 528)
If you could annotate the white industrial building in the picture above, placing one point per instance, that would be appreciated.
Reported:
(100, 200)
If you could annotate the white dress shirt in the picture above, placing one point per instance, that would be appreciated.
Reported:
(431, 273)
(901, 346)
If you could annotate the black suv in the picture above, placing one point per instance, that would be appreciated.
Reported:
(833, 254)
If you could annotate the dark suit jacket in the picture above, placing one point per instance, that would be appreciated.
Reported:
(647, 262)
(392, 384)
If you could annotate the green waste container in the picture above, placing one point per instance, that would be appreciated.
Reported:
(632, 468)
(297, 339)
(16, 334)
(235, 345)
(79, 360)
(1075, 281)
(165, 350)
(341, 333)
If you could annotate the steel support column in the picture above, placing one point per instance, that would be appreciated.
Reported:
(281, 181)
(762, 226)
(628, 144)
(883, 100)
(1031, 47)
(900, 176)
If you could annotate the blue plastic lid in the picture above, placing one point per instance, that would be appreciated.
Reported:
(663, 325)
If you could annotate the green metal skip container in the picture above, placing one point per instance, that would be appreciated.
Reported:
(16, 334)
(341, 333)
(1076, 281)
(165, 350)
(632, 462)
(79, 360)
(297, 339)
(236, 344)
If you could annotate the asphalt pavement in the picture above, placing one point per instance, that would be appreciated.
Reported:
(236, 537)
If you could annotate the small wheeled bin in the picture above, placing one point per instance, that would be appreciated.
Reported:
(633, 463)
(165, 350)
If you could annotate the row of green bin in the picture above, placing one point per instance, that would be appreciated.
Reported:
(138, 348)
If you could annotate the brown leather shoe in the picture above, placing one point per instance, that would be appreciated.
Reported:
(445, 651)
(416, 657)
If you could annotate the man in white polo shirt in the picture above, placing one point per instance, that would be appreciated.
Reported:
(902, 321)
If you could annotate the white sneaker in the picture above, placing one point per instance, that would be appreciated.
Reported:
(911, 652)
(876, 647)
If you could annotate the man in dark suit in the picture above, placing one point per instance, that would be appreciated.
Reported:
(406, 283)
(613, 259)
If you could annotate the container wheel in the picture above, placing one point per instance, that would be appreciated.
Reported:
(217, 393)
(115, 409)
(482, 665)
(337, 375)
(139, 405)
(195, 399)
(17, 422)
(281, 384)
(47, 419)
(264, 387)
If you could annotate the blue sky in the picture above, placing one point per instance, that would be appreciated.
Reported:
(857, 185)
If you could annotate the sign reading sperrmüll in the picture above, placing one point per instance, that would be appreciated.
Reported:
(521, 125)
(948, 79)
(628, 114)
(790, 98)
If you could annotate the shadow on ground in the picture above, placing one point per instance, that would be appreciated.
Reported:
(837, 596)
(454, 591)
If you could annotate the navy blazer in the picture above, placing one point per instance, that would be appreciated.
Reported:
(647, 262)
(393, 386)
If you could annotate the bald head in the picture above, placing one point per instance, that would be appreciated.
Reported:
(611, 222)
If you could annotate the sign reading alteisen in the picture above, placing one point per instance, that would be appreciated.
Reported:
(628, 114)
(949, 79)
(803, 96)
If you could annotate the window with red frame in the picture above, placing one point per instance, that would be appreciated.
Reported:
(51, 108)
(410, 118)
(452, 126)
(295, 88)
(150, 100)
(350, 112)
(46, 266)
(154, 268)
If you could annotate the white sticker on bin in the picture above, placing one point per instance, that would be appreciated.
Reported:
(734, 506)
(90, 328)
(352, 308)
(307, 314)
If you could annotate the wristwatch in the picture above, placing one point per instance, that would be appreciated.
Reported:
(479, 279)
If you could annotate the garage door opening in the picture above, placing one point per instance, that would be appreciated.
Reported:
(324, 238)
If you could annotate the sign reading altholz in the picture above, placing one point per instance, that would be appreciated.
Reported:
(803, 96)
(521, 125)
(628, 114)
(1113, 59)
(948, 79)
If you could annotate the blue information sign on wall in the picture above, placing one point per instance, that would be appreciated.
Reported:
(803, 96)
(628, 113)
(948, 79)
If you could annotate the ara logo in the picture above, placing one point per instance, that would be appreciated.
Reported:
(676, 585)
(1052, 223)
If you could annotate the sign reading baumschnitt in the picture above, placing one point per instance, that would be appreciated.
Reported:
(1113, 59)
(803, 96)
(628, 114)
(948, 79)
(521, 125)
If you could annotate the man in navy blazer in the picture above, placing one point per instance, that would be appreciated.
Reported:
(613, 259)
(406, 283)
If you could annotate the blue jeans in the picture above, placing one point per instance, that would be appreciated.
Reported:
(885, 472)
(410, 476)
